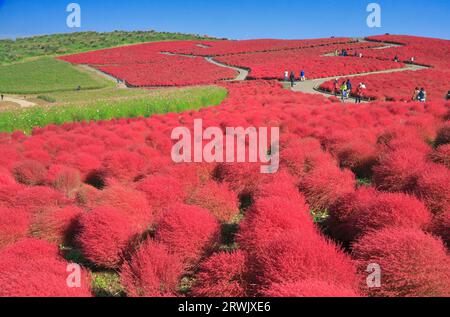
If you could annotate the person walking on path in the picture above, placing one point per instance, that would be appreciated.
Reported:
(286, 76)
(2, 96)
(448, 95)
(416, 94)
(344, 91)
(360, 92)
(336, 87)
(292, 78)
(349, 88)
(302, 76)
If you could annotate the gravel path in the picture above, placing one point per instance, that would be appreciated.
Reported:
(21, 102)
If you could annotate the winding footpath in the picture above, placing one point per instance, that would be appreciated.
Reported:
(311, 86)
(21, 102)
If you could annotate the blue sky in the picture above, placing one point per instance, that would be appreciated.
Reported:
(237, 19)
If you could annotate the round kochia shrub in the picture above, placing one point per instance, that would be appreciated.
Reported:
(56, 225)
(218, 199)
(64, 179)
(399, 170)
(151, 272)
(442, 155)
(124, 165)
(39, 198)
(162, 190)
(309, 288)
(433, 188)
(325, 185)
(222, 275)
(104, 236)
(131, 203)
(34, 268)
(14, 224)
(293, 257)
(270, 217)
(188, 231)
(367, 210)
(443, 135)
(441, 227)
(29, 172)
(412, 263)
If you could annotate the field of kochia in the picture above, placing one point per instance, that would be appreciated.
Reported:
(360, 186)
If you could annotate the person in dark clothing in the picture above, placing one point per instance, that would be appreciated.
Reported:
(448, 95)
(422, 97)
(2, 96)
(349, 87)
(292, 79)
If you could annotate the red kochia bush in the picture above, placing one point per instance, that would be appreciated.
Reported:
(293, 257)
(162, 190)
(359, 156)
(391, 209)
(222, 275)
(104, 235)
(283, 185)
(38, 198)
(14, 225)
(442, 155)
(57, 225)
(124, 165)
(29, 172)
(433, 188)
(34, 268)
(343, 214)
(309, 288)
(218, 199)
(151, 272)
(64, 179)
(6, 178)
(366, 210)
(441, 227)
(270, 217)
(399, 170)
(413, 263)
(131, 203)
(188, 231)
(325, 185)
(443, 135)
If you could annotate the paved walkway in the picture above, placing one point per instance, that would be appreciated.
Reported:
(312, 86)
(21, 102)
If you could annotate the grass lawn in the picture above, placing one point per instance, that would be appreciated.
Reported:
(113, 104)
(12, 51)
(47, 75)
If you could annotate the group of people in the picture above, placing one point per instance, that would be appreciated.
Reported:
(345, 53)
(419, 95)
(290, 77)
(345, 89)
(411, 60)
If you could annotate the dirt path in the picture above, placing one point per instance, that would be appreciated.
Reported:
(243, 73)
(312, 86)
(21, 102)
(119, 82)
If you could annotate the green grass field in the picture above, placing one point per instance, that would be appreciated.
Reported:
(143, 104)
(12, 51)
(46, 75)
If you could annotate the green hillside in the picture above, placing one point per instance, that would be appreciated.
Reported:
(58, 44)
